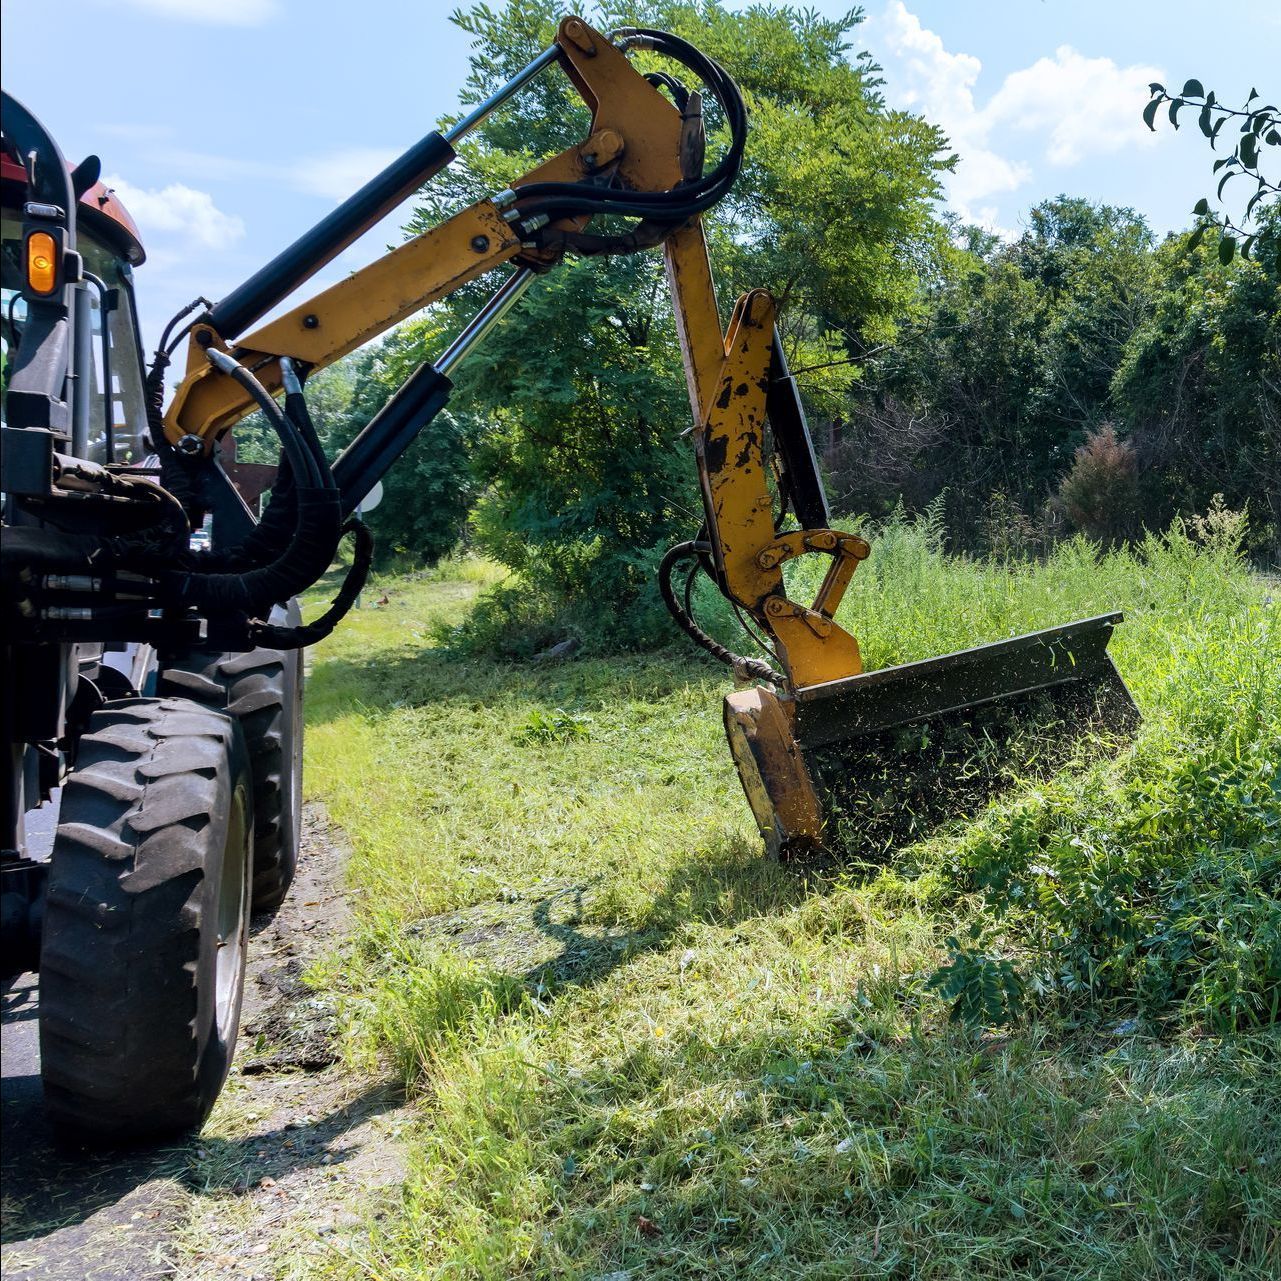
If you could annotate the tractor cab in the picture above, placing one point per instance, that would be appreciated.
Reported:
(108, 410)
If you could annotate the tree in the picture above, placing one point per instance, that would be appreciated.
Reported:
(1008, 371)
(1100, 494)
(1199, 387)
(576, 404)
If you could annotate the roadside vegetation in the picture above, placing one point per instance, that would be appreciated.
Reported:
(1041, 1042)
(1037, 1040)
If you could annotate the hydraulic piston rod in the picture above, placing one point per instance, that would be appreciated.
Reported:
(357, 214)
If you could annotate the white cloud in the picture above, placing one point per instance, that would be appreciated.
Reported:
(1084, 106)
(217, 13)
(940, 85)
(1081, 106)
(181, 211)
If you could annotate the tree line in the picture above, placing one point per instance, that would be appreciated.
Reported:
(1082, 378)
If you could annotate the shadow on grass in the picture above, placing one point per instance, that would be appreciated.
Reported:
(558, 933)
(812, 1148)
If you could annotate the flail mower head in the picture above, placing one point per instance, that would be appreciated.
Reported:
(832, 757)
(862, 764)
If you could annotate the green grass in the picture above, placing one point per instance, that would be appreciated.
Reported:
(640, 1048)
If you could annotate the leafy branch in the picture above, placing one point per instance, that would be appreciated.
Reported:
(1260, 128)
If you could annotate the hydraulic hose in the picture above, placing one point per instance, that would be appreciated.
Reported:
(272, 533)
(557, 200)
(295, 447)
(154, 384)
(276, 637)
(754, 668)
(317, 525)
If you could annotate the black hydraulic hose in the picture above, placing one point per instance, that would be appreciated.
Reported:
(297, 412)
(301, 459)
(751, 667)
(154, 383)
(272, 533)
(165, 345)
(317, 531)
(556, 200)
(317, 527)
(275, 637)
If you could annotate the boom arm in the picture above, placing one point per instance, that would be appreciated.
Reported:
(646, 153)
(634, 144)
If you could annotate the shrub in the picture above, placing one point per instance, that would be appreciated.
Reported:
(1100, 495)
(1005, 532)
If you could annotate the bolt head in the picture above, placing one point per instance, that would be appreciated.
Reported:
(480, 244)
(311, 321)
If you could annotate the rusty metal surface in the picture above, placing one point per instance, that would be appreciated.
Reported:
(772, 769)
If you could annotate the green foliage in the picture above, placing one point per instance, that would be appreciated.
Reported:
(557, 726)
(1197, 385)
(1153, 881)
(1259, 130)
(984, 989)
(1007, 371)
(1029, 349)
(575, 407)
(832, 211)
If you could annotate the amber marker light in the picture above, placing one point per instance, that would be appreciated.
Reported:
(42, 263)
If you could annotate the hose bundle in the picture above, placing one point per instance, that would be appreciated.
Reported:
(659, 209)
(682, 611)
(311, 512)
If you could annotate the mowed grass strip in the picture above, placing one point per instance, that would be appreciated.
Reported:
(641, 1049)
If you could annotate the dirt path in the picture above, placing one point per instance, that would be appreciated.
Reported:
(294, 1143)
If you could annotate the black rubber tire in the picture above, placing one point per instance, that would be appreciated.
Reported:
(263, 690)
(146, 921)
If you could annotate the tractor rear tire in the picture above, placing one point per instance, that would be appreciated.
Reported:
(263, 691)
(146, 920)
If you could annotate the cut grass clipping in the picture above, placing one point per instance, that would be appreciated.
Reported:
(1038, 1042)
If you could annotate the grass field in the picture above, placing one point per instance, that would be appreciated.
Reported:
(640, 1050)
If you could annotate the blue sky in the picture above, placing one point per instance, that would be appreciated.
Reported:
(229, 126)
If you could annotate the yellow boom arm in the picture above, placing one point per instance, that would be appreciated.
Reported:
(640, 142)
